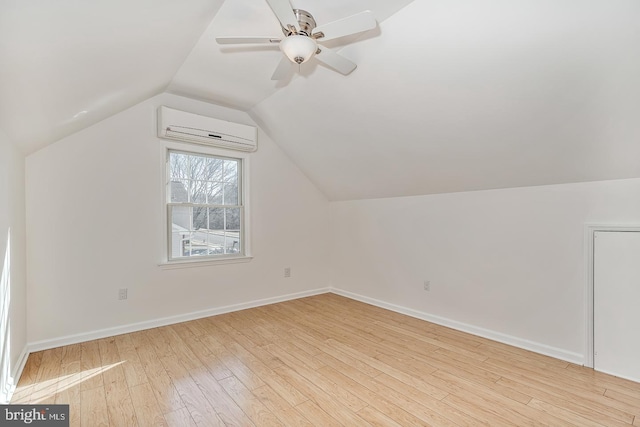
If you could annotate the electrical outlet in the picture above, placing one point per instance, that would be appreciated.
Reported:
(122, 293)
(287, 272)
(427, 285)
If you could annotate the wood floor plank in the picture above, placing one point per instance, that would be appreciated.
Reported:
(570, 416)
(159, 342)
(190, 393)
(377, 418)
(211, 361)
(291, 356)
(238, 368)
(259, 352)
(91, 365)
(184, 353)
(93, 409)
(294, 418)
(69, 388)
(499, 350)
(323, 360)
(120, 403)
(282, 409)
(630, 401)
(567, 391)
(147, 411)
(108, 351)
(166, 394)
(317, 416)
(437, 341)
(180, 418)
(249, 403)
(325, 401)
(480, 377)
(426, 407)
(266, 374)
(515, 365)
(480, 396)
(605, 380)
(347, 398)
(224, 405)
(381, 395)
(577, 406)
(392, 371)
(486, 416)
(133, 369)
(48, 377)
(71, 354)
(334, 352)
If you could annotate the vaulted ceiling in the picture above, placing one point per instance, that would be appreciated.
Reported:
(449, 95)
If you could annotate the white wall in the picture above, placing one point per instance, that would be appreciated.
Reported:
(13, 275)
(95, 224)
(505, 263)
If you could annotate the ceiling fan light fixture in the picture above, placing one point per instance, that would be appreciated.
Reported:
(298, 48)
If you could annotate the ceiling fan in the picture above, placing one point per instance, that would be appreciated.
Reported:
(302, 38)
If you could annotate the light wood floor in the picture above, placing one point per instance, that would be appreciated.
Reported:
(322, 361)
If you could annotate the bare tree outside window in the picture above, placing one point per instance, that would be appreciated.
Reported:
(205, 205)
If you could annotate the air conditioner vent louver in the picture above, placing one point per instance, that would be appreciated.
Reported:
(189, 127)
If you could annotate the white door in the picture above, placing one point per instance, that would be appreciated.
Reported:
(616, 303)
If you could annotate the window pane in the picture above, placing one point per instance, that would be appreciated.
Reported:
(232, 219)
(198, 167)
(199, 191)
(200, 220)
(178, 166)
(230, 171)
(231, 194)
(197, 245)
(216, 242)
(180, 218)
(199, 242)
(232, 243)
(216, 219)
(179, 192)
(214, 169)
(214, 193)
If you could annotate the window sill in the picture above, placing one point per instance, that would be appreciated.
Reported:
(171, 265)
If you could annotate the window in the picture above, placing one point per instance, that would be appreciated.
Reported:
(205, 207)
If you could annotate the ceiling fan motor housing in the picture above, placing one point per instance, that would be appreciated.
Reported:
(305, 21)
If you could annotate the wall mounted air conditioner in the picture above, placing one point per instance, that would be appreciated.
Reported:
(189, 127)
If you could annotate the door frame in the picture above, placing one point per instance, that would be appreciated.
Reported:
(589, 234)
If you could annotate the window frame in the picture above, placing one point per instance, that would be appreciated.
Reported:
(202, 260)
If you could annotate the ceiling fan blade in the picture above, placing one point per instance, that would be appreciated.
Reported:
(353, 24)
(284, 12)
(335, 61)
(246, 40)
(282, 69)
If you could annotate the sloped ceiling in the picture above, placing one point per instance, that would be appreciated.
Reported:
(462, 95)
(66, 64)
(449, 95)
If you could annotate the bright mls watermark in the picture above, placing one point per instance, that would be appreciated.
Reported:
(35, 415)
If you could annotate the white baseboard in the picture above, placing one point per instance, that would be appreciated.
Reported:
(134, 327)
(464, 327)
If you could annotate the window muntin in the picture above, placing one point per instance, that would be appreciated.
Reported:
(205, 207)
